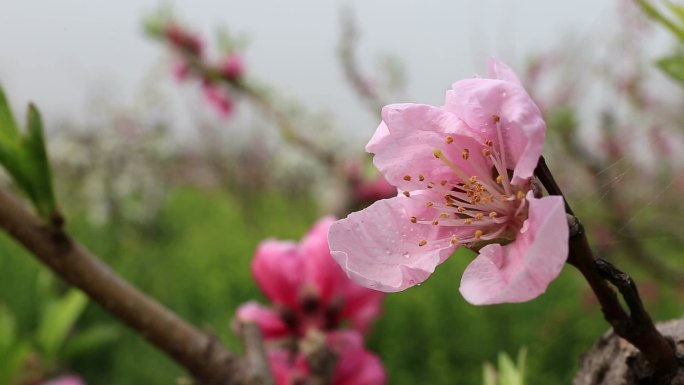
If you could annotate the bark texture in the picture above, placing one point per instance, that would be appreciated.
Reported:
(614, 361)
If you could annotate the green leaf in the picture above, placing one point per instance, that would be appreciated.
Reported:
(36, 163)
(677, 9)
(507, 372)
(488, 374)
(652, 12)
(673, 66)
(58, 319)
(89, 340)
(25, 157)
(522, 363)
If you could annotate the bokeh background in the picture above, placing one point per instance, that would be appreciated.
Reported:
(176, 197)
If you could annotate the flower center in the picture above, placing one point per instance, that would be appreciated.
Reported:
(479, 206)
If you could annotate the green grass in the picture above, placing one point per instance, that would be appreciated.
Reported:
(196, 258)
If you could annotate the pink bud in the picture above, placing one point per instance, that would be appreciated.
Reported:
(233, 66)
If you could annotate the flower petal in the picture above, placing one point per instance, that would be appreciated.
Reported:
(379, 247)
(269, 321)
(277, 268)
(521, 270)
(404, 145)
(497, 69)
(477, 101)
(321, 268)
(355, 365)
(361, 306)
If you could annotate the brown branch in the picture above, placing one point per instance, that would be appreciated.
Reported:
(259, 372)
(201, 354)
(635, 326)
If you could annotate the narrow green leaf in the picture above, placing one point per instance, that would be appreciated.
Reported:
(37, 167)
(677, 9)
(488, 374)
(656, 15)
(673, 66)
(508, 374)
(522, 364)
(8, 127)
(8, 329)
(58, 319)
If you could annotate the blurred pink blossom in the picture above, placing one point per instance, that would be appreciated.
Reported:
(233, 66)
(355, 365)
(183, 39)
(307, 287)
(219, 98)
(65, 380)
(465, 171)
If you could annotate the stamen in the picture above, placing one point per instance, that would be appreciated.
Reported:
(520, 195)
(478, 234)
(422, 243)
(467, 221)
(449, 140)
(486, 152)
(414, 219)
(443, 182)
(479, 216)
(465, 154)
(454, 240)
(407, 194)
(444, 215)
(493, 214)
(499, 179)
(428, 204)
(421, 177)
(407, 178)
(435, 222)
(496, 118)
(489, 143)
(440, 155)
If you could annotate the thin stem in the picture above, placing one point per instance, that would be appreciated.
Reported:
(209, 362)
(635, 326)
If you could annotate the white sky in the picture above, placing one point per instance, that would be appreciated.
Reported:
(59, 53)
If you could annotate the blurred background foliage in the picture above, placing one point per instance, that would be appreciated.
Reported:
(182, 221)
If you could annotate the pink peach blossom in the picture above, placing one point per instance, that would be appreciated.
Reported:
(65, 380)
(465, 175)
(354, 366)
(308, 289)
(219, 99)
(233, 66)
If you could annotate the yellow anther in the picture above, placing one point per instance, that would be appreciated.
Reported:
(489, 143)
(478, 234)
(499, 179)
(473, 179)
(486, 152)
(422, 243)
(465, 154)
(496, 118)
(438, 153)
(444, 215)
(467, 221)
(407, 194)
(443, 182)
(493, 214)
(435, 222)
(407, 178)
(479, 216)
(421, 177)
(414, 219)
(520, 195)
(454, 240)
(449, 140)
(460, 209)
(428, 204)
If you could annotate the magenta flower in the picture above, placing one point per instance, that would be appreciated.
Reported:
(65, 380)
(219, 98)
(233, 66)
(354, 366)
(465, 175)
(307, 288)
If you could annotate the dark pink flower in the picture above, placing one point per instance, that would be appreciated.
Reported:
(219, 99)
(354, 366)
(307, 288)
(233, 66)
(465, 171)
(182, 39)
(65, 380)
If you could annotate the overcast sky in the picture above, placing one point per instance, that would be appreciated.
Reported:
(58, 53)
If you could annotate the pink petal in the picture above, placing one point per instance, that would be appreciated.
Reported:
(278, 269)
(287, 368)
(379, 248)
(476, 101)
(321, 268)
(405, 145)
(269, 321)
(66, 380)
(361, 306)
(521, 270)
(355, 365)
(497, 69)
